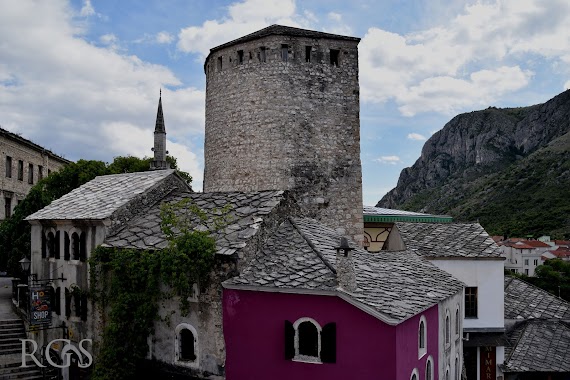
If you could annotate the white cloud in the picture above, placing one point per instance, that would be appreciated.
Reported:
(416, 136)
(567, 85)
(242, 18)
(87, 9)
(334, 16)
(467, 61)
(392, 160)
(164, 38)
(86, 101)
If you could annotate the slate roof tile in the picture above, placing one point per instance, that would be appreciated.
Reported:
(302, 256)
(524, 301)
(243, 220)
(101, 197)
(448, 240)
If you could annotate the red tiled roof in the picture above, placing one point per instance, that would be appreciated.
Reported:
(497, 238)
(562, 242)
(519, 245)
(561, 252)
(536, 243)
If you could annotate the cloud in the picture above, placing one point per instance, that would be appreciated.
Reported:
(334, 16)
(475, 59)
(88, 101)
(392, 160)
(416, 136)
(87, 9)
(242, 18)
(164, 38)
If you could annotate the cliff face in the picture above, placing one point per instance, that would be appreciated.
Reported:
(476, 153)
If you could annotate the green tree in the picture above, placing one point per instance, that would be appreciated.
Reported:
(553, 276)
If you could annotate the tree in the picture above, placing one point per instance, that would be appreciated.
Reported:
(553, 276)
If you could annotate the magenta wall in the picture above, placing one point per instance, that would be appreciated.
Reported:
(366, 347)
(407, 343)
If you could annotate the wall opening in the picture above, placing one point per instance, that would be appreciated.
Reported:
(334, 57)
(284, 52)
(308, 53)
(220, 63)
(240, 57)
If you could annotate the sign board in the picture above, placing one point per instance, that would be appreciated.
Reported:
(488, 361)
(40, 310)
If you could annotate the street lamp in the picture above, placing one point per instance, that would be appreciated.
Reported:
(25, 264)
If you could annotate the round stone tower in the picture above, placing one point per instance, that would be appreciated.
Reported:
(282, 112)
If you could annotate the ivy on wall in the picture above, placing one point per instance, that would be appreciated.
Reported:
(127, 285)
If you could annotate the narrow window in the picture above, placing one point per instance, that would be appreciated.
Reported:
(44, 245)
(526, 272)
(82, 246)
(334, 57)
(457, 320)
(51, 244)
(77, 301)
(40, 172)
(263, 55)
(250, 56)
(31, 174)
(57, 303)
(49, 172)
(187, 345)
(422, 338)
(240, 57)
(457, 372)
(536, 262)
(284, 52)
(471, 302)
(20, 170)
(56, 245)
(308, 339)
(67, 303)
(429, 370)
(447, 337)
(220, 63)
(8, 167)
(7, 207)
(525, 261)
(308, 53)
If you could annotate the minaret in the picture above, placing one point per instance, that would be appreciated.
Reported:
(159, 149)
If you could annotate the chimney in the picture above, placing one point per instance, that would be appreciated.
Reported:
(345, 275)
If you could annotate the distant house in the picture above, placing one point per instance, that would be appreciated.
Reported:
(537, 334)
(22, 165)
(467, 252)
(523, 256)
(560, 253)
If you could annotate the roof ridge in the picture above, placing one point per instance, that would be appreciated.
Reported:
(319, 254)
(540, 289)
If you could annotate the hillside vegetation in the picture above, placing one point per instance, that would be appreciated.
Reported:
(509, 169)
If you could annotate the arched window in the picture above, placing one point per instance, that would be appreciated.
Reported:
(457, 321)
(305, 340)
(75, 244)
(429, 368)
(422, 337)
(66, 244)
(186, 345)
(50, 244)
(415, 375)
(457, 369)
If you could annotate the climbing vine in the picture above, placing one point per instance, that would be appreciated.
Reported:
(127, 285)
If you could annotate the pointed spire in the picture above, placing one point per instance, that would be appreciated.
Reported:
(159, 126)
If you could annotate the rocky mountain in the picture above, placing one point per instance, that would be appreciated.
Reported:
(508, 168)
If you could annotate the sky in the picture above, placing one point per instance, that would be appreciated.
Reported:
(82, 77)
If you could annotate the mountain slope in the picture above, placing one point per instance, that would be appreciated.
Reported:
(508, 168)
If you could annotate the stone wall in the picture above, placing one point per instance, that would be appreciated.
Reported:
(15, 187)
(276, 124)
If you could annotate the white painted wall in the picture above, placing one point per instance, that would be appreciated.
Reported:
(448, 352)
(488, 277)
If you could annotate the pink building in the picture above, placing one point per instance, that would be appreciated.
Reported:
(305, 310)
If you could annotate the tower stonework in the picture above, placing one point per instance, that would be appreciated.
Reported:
(159, 149)
(282, 112)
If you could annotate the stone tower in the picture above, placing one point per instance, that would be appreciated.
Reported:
(282, 112)
(159, 148)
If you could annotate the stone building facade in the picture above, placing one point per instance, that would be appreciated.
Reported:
(22, 165)
(282, 113)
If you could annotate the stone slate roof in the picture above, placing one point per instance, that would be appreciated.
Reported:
(283, 31)
(301, 258)
(371, 210)
(20, 140)
(243, 212)
(526, 301)
(538, 346)
(99, 198)
(467, 240)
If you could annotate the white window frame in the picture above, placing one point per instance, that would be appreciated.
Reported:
(194, 363)
(306, 358)
(415, 373)
(429, 360)
(422, 351)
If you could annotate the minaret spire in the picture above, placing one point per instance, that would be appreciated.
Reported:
(159, 149)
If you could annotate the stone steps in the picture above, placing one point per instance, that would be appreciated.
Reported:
(11, 331)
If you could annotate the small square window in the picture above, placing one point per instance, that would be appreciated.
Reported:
(471, 302)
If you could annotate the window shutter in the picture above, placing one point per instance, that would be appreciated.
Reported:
(57, 245)
(289, 340)
(328, 343)
(44, 245)
(83, 307)
(66, 247)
